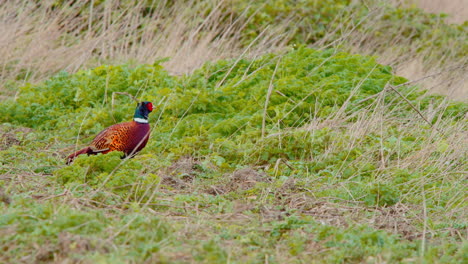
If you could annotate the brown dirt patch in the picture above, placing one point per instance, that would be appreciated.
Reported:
(68, 244)
(45, 253)
(174, 182)
(243, 179)
(394, 219)
(216, 190)
(184, 166)
(12, 136)
(4, 197)
(181, 173)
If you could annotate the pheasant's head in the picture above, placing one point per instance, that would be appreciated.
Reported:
(142, 111)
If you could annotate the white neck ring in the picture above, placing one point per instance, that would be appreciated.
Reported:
(140, 120)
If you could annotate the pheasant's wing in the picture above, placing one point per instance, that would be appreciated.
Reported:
(106, 140)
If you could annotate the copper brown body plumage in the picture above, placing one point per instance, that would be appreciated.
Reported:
(129, 137)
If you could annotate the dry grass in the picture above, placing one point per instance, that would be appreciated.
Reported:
(407, 57)
(38, 40)
(450, 82)
(456, 9)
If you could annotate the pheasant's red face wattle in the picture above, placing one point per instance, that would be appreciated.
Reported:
(149, 106)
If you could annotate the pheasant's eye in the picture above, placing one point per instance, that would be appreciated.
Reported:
(149, 106)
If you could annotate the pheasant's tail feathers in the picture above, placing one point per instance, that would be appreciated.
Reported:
(86, 150)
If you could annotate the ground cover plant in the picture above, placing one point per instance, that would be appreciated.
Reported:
(292, 153)
(278, 144)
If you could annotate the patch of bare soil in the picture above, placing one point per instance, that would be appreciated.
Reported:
(68, 244)
(243, 179)
(175, 183)
(10, 137)
(395, 219)
(181, 173)
(4, 197)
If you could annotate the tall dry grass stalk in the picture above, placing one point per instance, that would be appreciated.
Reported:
(456, 9)
(408, 58)
(40, 39)
(453, 83)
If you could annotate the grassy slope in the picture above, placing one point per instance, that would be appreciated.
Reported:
(331, 165)
(341, 164)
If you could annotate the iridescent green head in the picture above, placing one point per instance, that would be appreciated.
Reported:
(142, 111)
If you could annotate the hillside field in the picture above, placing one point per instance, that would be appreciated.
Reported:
(283, 132)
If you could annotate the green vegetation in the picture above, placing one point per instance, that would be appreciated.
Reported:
(302, 155)
(333, 135)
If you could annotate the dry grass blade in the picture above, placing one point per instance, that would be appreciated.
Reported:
(270, 89)
(40, 40)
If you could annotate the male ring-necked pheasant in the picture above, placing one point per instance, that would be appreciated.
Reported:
(128, 137)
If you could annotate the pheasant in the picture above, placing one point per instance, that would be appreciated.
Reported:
(128, 137)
